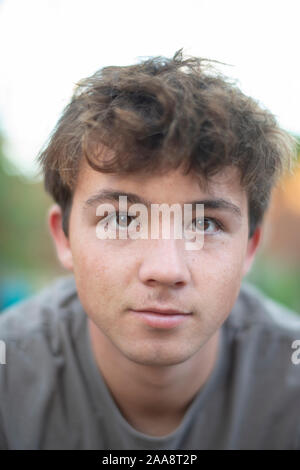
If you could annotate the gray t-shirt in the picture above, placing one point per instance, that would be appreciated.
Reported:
(52, 394)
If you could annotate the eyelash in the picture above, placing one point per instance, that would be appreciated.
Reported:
(218, 224)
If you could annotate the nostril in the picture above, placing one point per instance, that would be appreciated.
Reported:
(169, 282)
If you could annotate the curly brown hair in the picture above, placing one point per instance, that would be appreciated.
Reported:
(158, 115)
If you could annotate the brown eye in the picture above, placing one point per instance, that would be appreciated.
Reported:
(203, 224)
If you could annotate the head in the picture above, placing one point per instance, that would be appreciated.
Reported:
(168, 131)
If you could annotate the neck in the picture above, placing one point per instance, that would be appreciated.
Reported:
(152, 399)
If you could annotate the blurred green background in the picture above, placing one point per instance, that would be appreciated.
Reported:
(28, 259)
(29, 262)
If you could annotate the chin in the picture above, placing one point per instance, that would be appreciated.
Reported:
(158, 356)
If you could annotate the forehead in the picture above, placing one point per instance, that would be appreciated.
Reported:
(171, 187)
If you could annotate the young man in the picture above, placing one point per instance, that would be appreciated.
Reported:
(149, 344)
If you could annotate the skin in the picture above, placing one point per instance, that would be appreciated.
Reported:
(147, 369)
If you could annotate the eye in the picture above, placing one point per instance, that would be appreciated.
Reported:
(206, 224)
(118, 220)
(123, 220)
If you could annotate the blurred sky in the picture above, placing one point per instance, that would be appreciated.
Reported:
(48, 45)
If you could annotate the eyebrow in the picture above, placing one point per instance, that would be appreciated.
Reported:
(108, 195)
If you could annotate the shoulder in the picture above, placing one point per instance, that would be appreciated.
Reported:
(43, 314)
(265, 341)
(265, 334)
(254, 309)
(264, 364)
(40, 336)
(264, 337)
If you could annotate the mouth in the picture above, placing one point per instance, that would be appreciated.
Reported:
(163, 311)
(162, 318)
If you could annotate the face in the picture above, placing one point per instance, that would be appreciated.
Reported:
(115, 278)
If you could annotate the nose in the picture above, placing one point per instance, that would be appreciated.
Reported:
(165, 263)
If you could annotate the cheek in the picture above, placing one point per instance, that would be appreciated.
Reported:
(97, 289)
(100, 272)
(217, 277)
(97, 270)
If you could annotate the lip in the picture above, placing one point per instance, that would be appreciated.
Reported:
(162, 311)
(161, 318)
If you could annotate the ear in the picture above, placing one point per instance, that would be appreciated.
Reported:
(252, 246)
(61, 242)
